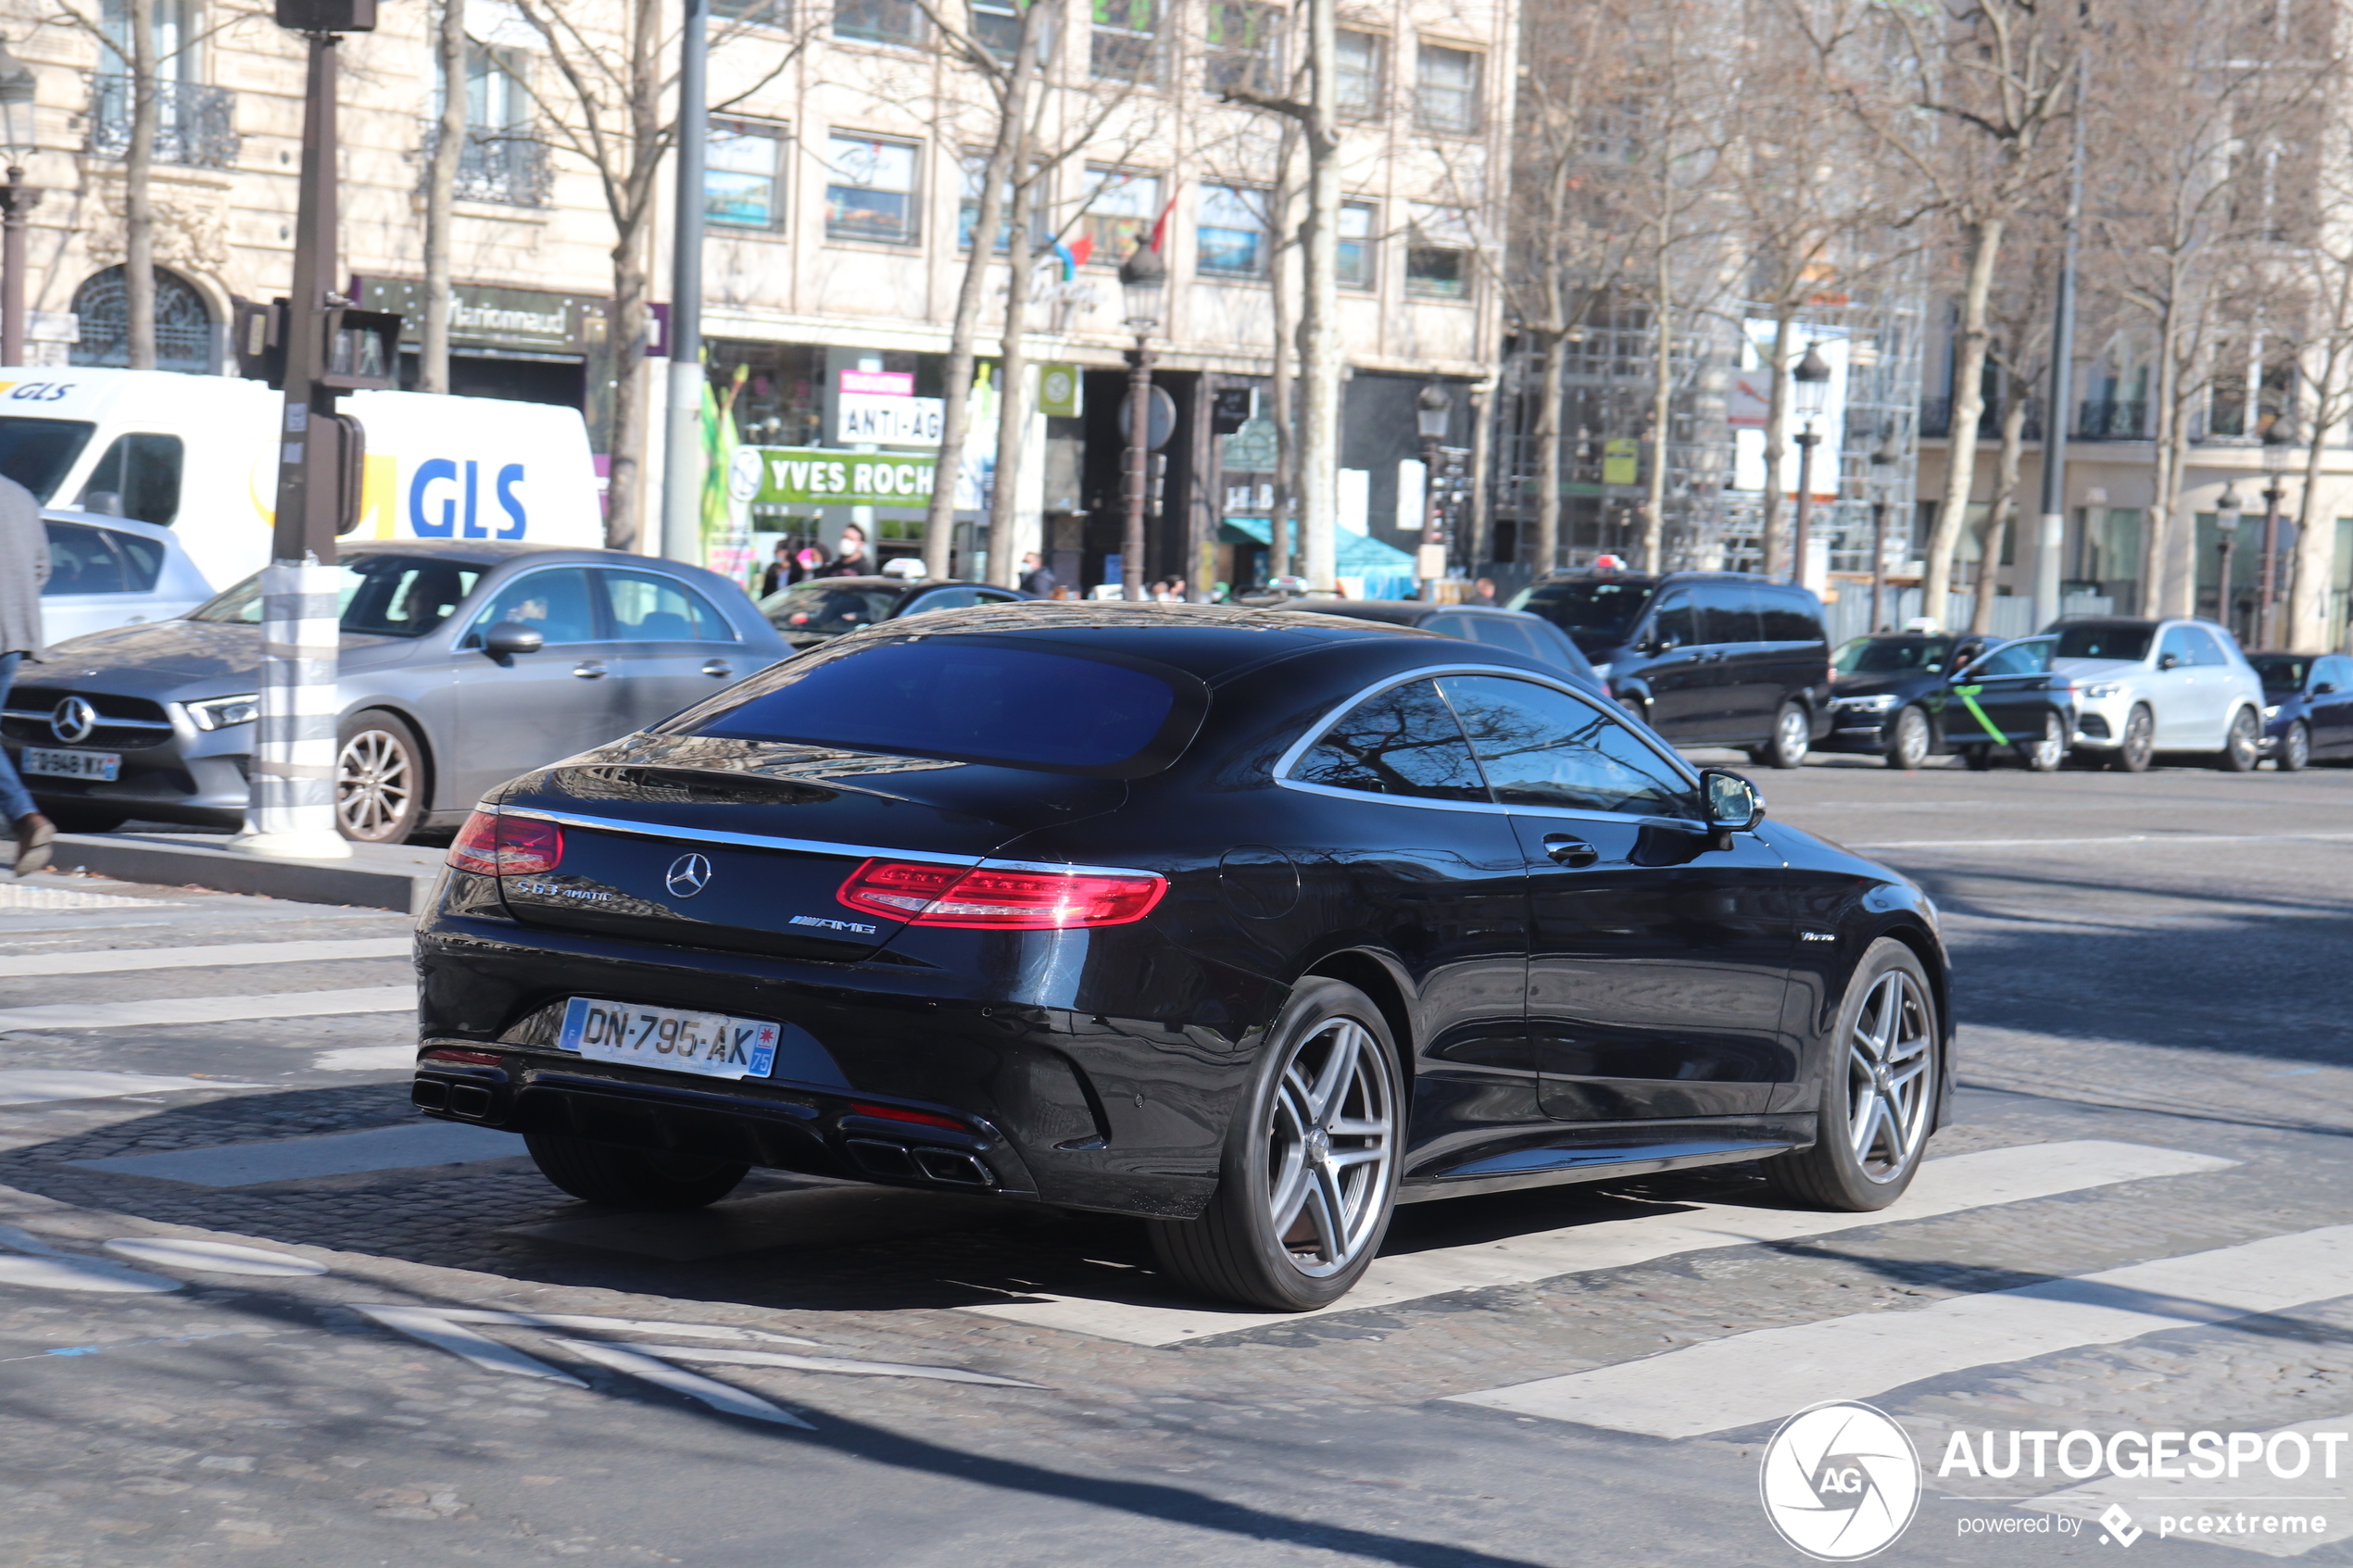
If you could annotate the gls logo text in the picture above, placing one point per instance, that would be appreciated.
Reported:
(460, 507)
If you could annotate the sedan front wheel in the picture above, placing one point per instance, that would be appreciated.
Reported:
(380, 779)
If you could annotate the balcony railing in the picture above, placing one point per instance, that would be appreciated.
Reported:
(196, 125)
(2094, 421)
(504, 165)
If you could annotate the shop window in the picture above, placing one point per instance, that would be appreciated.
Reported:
(1126, 43)
(743, 174)
(1245, 47)
(1231, 235)
(869, 190)
(1359, 250)
(1439, 258)
(1362, 63)
(1446, 95)
(879, 22)
(1122, 206)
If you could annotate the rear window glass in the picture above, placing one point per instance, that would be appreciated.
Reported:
(1595, 612)
(2128, 643)
(100, 560)
(2282, 672)
(973, 701)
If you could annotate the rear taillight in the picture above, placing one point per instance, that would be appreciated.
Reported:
(985, 898)
(491, 845)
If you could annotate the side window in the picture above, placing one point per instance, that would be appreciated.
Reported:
(83, 560)
(1789, 616)
(1729, 613)
(1540, 746)
(1402, 741)
(2206, 646)
(2180, 644)
(1503, 632)
(555, 602)
(142, 472)
(1675, 621)
(2018, 658)
(945, 599)
(649, 608)
(2337, 671)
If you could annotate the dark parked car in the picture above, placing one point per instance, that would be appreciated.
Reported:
(1908, 695)
(1708, 658)
(1248, 925)
(824, 607)
(462, 666)
(1513, 629)
(2308, 708)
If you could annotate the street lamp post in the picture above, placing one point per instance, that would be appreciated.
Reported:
(1885, 455)
(1433, 411)
(1812, 389)
(2279, 449)
(1144, 277)
(17, 199)
(683, 461)
(2226, 533)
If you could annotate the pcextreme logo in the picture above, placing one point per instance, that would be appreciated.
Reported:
(1839, 1481)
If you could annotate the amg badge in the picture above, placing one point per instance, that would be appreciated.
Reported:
(832, 924)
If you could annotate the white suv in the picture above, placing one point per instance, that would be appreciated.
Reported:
(2146, 687)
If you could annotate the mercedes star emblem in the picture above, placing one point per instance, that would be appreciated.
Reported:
(72, 719)
(689, 874)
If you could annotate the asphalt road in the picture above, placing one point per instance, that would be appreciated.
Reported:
(2134, 1225)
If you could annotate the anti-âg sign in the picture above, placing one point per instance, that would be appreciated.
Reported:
(815, 476)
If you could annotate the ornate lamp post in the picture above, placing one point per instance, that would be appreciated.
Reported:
(2279, 450)
(17, 199)
(2226, 527)
(1433, 411)
(1144, 278)
(1811, 387)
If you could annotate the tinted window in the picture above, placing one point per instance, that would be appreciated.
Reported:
(2281, 672)
(1598, 612)
(2205, 648)
(825, 610)
(1495, 630)
(380, 596)
(947, 598)
(142, 472)
(1728, 613)
(2337, 672)
(1402, 741)
(555, 603)
(647, 606)
(972, 700)
(1540, 746)
(2128, 643)
(2028, 658)
(1892, 655)
(1676, 622)
(2180, 644)
(99, 561)
(1790, 615)
(36, 453)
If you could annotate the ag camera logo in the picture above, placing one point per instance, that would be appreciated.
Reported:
(1839, 1481)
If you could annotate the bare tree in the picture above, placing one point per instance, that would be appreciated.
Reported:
(441, 191)
(2018, 349)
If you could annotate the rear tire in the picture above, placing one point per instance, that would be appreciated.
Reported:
(2139, 744)
(1908, 740)
(2243, 745)
(1878, 1090)
(1309, 1176)
(631, 1178)
(1792, 734)
(2295, 753)
(2043, 755)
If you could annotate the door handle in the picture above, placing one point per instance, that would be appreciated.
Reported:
(589, 669)
(1574, 853)
(718, 669)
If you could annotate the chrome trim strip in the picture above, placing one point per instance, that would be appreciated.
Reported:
(103, 722)
(802, 845)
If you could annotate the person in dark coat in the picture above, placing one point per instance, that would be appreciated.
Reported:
(1037, 577)
(851, 560)
(780, 570)
(24, 569)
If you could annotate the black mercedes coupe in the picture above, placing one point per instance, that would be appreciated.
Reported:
(1250, 925)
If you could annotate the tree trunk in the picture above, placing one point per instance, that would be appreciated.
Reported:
(1552, 396)
(939, 520)
(441, 190)
(1969, 406)
(1774, 538)
(627, 460)
(1013, 381)
(1997, 515)
(2313, 575)
(1319, 309)
(1662, 414)
(138, 205)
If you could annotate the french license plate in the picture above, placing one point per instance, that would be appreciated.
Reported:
(100, 765)
(710, 1044)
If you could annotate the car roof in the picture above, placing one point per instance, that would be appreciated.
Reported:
(496, 552)
(156, 531)
(1400, 612)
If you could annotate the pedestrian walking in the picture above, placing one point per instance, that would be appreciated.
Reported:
(780, 571)
(1037, 577)
(24, 570)
(851, 561)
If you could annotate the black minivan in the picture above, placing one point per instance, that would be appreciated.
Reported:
(1706, 658)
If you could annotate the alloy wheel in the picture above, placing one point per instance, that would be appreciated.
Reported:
(2044, 755)
(2243, 743)
(1889, 1091)
(1909, 748)
(375, 784)
(1331, 1134)
(2139, 742)
(2295, 748)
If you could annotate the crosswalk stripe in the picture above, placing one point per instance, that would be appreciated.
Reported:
(207, 1009)
(114, 959)
(1748, 1379)
(1943, 1187)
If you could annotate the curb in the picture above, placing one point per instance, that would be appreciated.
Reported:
(394, 882)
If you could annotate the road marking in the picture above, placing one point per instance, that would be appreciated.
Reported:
(207, 1009)
(717, 1357)
(2121, 838)
(18, 895)
(718, 1395)
(40, 1086)
(2255, 1490)
(121, 958)
(1943, 1187)
(366, 1059)
(34, 1263)
(1748, 1379)
(335, 1154)
(213, 1257)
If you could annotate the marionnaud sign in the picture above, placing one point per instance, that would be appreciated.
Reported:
(889, 421)
(816, 476)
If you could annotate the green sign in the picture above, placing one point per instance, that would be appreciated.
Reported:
(1060, 391)
(816, 476)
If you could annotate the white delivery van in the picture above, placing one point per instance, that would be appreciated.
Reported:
(198, 455)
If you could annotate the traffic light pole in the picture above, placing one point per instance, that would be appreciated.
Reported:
(291, 793)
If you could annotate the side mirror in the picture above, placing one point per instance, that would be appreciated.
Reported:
(509, 638)
(1655, 643)
(2169, 661)
(1732, 803)
(2323, 688)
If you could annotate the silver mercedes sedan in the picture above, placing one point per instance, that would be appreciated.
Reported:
(463, 665)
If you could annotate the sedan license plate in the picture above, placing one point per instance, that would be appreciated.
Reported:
(101, 765)
(710, 1044)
